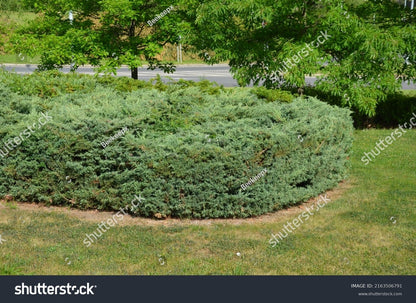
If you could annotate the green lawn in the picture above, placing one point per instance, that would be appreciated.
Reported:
(15, 59)
(9, 21)
(368, 228)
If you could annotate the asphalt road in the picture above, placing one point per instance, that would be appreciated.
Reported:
(219, 73)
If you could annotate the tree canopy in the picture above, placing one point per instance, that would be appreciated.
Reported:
(367, 50)
(361, 51)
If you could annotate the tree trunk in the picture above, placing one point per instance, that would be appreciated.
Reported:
(135, 73)
(132, 33)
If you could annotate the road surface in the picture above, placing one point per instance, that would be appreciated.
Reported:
(219, 73)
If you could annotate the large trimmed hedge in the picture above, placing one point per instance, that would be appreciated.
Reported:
(186, 152)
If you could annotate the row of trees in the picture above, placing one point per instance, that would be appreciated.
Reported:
(370, 46)
(103, 33)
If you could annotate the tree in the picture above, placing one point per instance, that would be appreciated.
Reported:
(361, 50)
(104, 33)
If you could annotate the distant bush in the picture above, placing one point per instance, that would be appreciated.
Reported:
(122, 84)
(48, 84)
(186, 151)
(396, 109)
(12, 5)
(273, 94)
(53, 83)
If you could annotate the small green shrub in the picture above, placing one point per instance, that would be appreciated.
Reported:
(204, 85)
(123, 84)
(47, 84)
(186, 151)
(272, 95)
(397, 109)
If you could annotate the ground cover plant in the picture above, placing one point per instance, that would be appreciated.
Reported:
(187, 151)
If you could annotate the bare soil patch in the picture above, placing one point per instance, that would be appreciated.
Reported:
(98, 216)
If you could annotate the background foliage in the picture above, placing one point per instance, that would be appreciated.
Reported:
(370, 52)
(105, 34)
